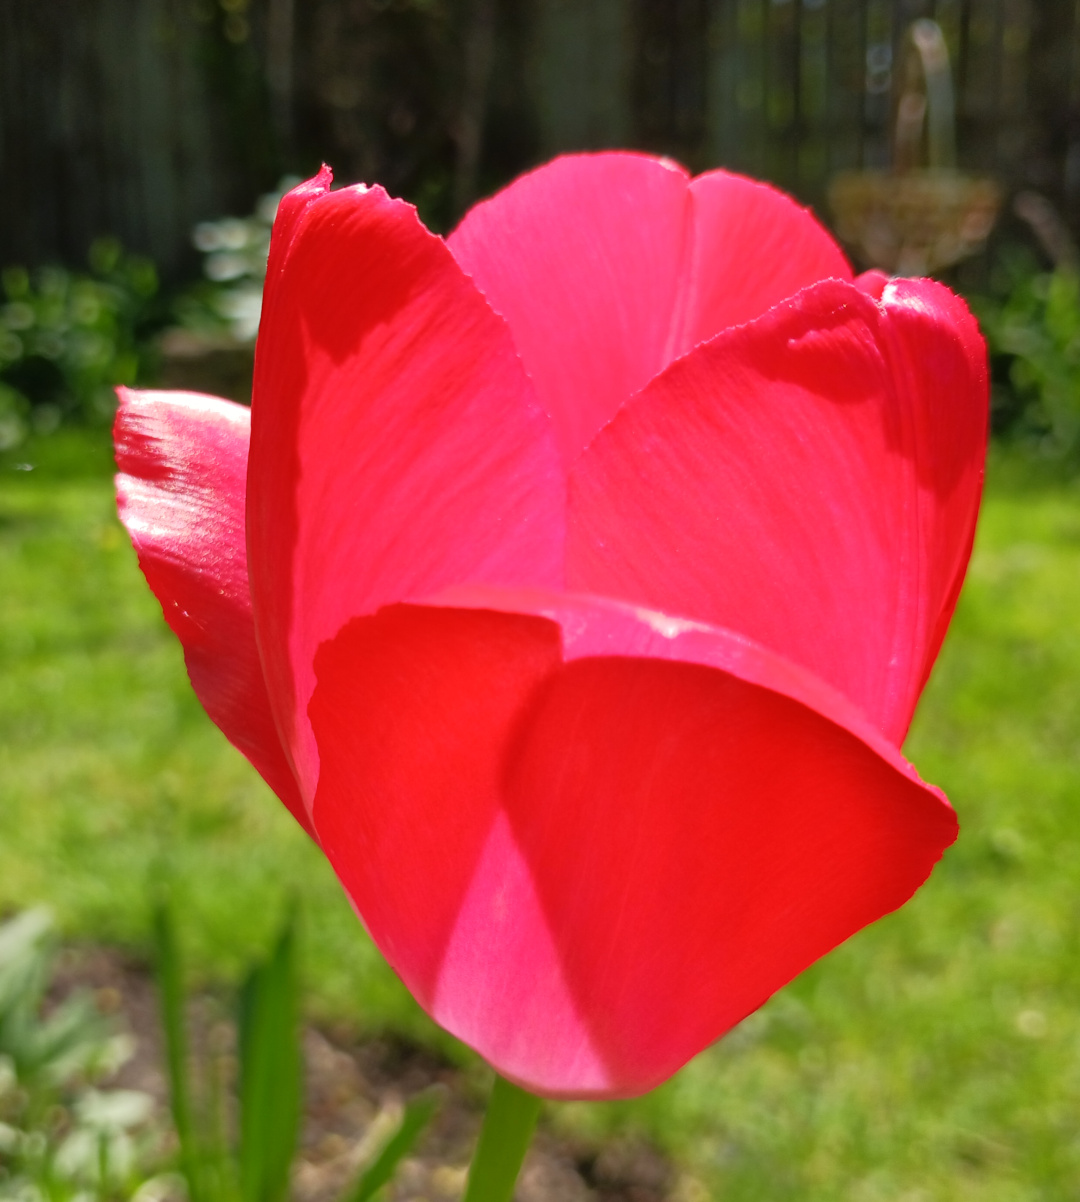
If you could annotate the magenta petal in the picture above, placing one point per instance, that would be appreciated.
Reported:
(872, 282)
(811, 479)
(397, 446)
(753, 247)
(583, 258)
(183, 462)
(608, 266)
(930, 327)
(591, 865)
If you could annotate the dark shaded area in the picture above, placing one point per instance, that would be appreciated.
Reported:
(138, 118)
(126, 117)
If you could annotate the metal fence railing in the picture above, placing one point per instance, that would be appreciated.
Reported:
(140, 117)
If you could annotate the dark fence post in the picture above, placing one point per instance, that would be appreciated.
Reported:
(109, 125)
(582, 73)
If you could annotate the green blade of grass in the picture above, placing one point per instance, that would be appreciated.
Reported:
(171, 996)
(218, 1168)
(270, 1073)
(418, 1113)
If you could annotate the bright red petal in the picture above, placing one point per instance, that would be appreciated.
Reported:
(591, 869)
(583, 259)
(811, 480)
(288, 220)
(608, 266)
(872, 282)
(413, 713)
(183, 462)
(397, 446)
(948, 436)
(752, 248)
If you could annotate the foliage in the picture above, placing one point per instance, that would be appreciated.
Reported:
(60, 1136)
(935, 1055)
(64, 1140)
(1032, 326)
(418, 1112)
(67, 339)
(228, 301)
(254, 1165)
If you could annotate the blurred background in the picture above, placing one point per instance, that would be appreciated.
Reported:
(139, 120)
(143, 147)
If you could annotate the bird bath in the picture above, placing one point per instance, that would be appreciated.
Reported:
(912, 220)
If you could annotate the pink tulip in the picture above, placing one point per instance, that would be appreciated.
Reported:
(577, 590)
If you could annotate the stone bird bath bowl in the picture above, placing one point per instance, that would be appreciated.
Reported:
(914, 220)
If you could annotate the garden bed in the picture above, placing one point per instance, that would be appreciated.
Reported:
(354, 1090)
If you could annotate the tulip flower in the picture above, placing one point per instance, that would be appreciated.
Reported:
(573, 581)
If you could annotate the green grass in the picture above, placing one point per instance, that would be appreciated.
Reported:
(112, 778)
(935, 1057)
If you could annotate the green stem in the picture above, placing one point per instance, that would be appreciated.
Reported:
(504, 1138)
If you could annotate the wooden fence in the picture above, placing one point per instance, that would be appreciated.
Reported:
(140, 117)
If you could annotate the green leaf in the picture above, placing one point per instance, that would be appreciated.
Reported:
(418, 1113)
(271, 1088)
(171, 997)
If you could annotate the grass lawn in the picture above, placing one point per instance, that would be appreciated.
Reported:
(935, 1057)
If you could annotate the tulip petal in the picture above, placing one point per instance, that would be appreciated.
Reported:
(811, 479)
(950, 441)
(582, 257)
(590, 864)
(397, 445)
(872, 282)
(608, 266)
(183, 462)
(413, 711)
(752, 248)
